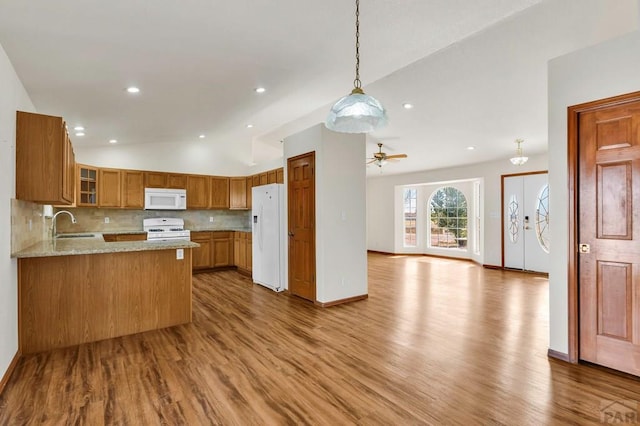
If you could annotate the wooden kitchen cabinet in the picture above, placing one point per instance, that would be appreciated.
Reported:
(272, 176)
(219, 192)
(87, 186)
(238, 189)
(109, 188)
(222, 249)
(249, 186)
(215, 251)
(176, 181)
(197, 192)
(44, 160)
(280, 175)
(132, 189)
(264, 178)
(255, 180)
(155, 179)
(249, 251)
(202, 257)
(243, 256)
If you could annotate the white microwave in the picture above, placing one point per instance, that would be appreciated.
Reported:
(165, 199)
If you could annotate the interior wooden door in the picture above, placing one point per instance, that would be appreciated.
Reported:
(609, 161)
(302, 234)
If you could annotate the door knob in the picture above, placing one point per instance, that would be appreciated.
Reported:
(290, 233)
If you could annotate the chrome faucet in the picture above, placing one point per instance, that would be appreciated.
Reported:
(53, 221)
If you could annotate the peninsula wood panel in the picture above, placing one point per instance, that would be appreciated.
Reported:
(67, 300)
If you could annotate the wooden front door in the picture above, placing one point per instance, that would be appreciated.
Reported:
(302, 232)
(609, 240)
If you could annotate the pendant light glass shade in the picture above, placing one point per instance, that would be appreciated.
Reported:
(519, 159)
(357, 112)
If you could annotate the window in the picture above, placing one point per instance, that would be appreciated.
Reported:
(410, 210)
(448, 217)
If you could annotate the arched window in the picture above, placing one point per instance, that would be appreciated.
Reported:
(448, 217)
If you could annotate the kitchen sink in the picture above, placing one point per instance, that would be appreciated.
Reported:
(75, 236)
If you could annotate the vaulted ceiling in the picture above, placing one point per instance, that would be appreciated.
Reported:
(475, 71)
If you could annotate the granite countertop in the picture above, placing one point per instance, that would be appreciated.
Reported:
(77, 246)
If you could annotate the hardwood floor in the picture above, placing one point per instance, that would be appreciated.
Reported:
(437, 342)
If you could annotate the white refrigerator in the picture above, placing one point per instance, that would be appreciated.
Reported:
(268, 226)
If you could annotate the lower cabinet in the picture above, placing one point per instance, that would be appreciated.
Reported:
(201, 256)
(242, 251)
(215, 251)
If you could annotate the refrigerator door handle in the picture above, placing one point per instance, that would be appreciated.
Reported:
(260, 217)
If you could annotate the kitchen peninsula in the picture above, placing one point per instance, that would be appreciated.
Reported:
(79, 290)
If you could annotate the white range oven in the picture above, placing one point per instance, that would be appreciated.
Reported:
(165, 229)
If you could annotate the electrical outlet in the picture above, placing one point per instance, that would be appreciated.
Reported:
(30, 224)
(210, 218)
(106, 220)
(179, 254)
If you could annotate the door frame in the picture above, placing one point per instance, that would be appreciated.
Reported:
(502, 178)
(573, 160)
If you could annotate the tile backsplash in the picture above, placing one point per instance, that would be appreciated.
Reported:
(28, 225)
(93, 219)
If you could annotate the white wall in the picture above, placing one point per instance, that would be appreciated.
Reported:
(381, 235)
(13, 97)
(608, 69)
(199, 157)
(341, 259)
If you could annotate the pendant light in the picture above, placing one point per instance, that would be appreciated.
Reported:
(357, 112)
(519, 159)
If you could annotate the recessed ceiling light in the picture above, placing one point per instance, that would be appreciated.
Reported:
(113, 141)
(260, 89)
(201, 136)
(407, 105)
(133, 89)
(79, 129)
(471, 148)
(79, 133)
(249, 126)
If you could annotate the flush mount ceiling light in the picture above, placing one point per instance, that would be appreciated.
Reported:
(519, 159)
(357, 112)
(79, 133)
(407, 105)
(133, 89)
(260, 90)
(79, 129)
(201, 136)
(113, 141)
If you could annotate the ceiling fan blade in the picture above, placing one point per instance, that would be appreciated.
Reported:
(372, 161)
(396, 156)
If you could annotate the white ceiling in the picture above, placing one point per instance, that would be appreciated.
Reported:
(475, 70)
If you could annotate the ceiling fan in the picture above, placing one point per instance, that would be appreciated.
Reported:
(380, 158)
